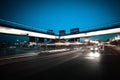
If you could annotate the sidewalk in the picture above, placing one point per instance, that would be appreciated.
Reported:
(31, 54)
(28, 56)
(18, 56)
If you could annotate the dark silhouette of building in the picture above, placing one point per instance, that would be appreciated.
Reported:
(32, 39)
(62, 32)
(74, 31)
(36, 39)
(50, 32)
(41, 40)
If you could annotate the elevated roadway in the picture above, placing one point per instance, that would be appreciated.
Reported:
(18, 31)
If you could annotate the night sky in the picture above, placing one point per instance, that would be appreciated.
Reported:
(61, 14)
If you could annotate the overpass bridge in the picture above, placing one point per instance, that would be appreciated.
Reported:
(32, 33)
(112, 30)
(25, 32)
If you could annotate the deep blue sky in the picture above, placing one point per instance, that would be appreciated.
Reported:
(61, 14)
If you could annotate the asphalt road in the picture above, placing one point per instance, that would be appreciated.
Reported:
(75, 64)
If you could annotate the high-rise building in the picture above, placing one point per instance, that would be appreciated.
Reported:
(62, 32)
(50, 32)
(74, 31)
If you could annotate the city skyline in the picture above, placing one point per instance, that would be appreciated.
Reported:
(44, 15)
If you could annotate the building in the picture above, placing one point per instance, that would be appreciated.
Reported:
(62, 32)
(50, 32)
(50, 40)
(32, 39)
(74, 31)
(41, 40)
